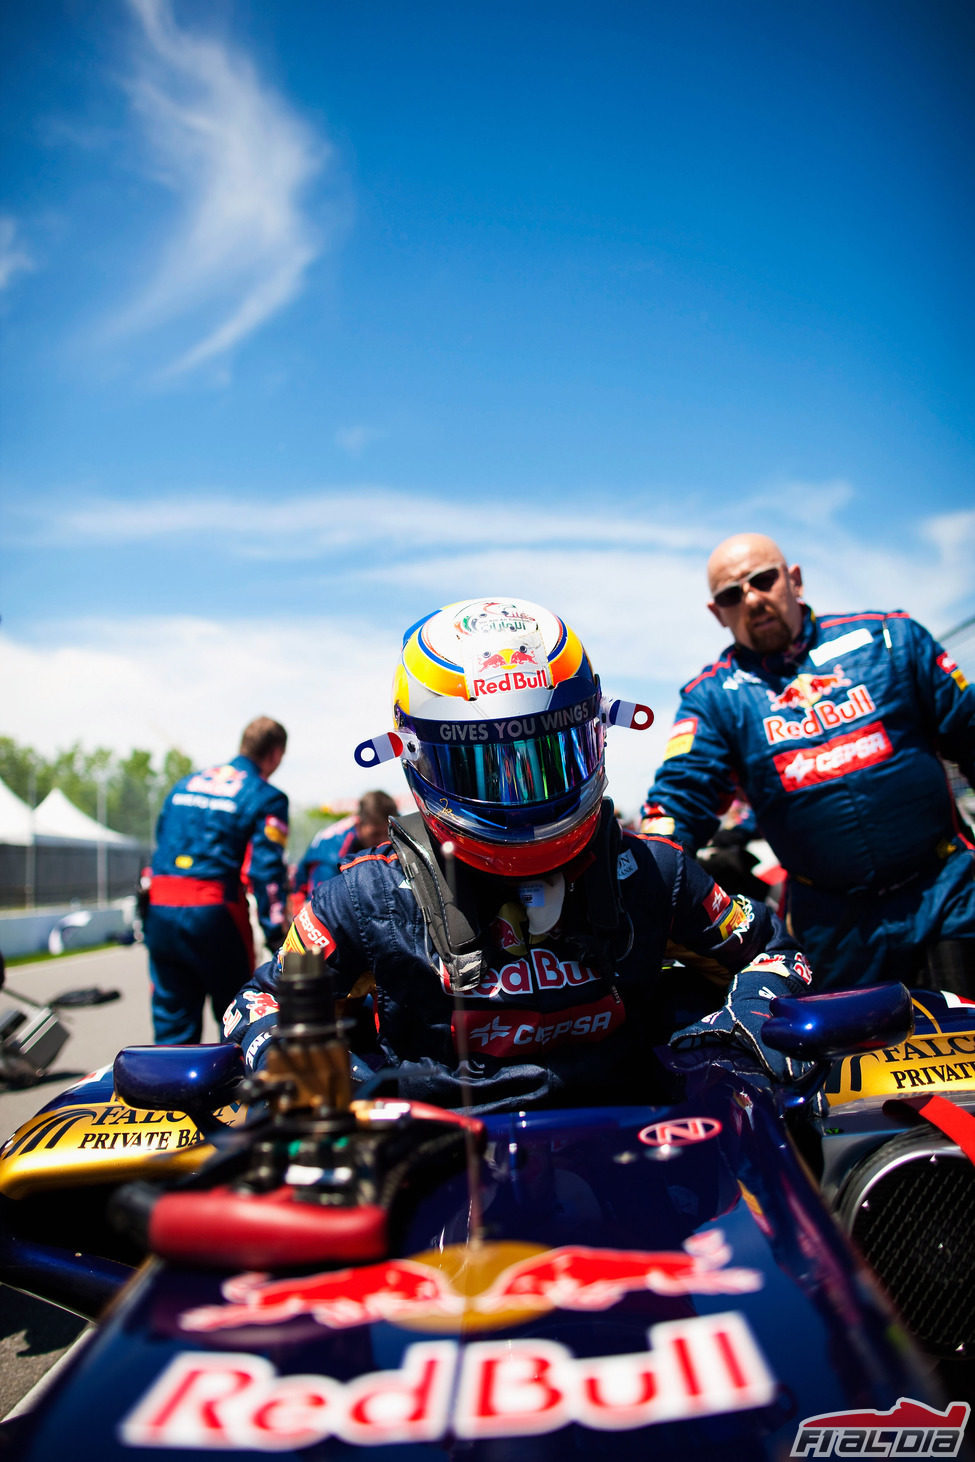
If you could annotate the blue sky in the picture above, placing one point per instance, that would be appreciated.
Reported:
(320, 314)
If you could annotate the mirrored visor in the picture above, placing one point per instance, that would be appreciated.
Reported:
(514, 773)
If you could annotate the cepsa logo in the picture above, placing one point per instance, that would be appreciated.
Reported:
(517, 1387)
(308, 933)
(909, 1429)
(529, 1031)
(844, 754)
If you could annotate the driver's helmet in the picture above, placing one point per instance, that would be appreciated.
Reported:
(500, 708)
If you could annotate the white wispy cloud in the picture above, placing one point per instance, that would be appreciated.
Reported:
(239, 161)
(640, 552)
(343, 517)
(631, 583)
(14, 257)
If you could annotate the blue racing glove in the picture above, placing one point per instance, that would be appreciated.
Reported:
(740, 1019)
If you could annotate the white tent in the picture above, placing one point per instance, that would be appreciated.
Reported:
(14, 818)
(56, 817)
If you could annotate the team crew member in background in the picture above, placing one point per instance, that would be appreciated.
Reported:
(221, 830)
(833, 727)
(340, 840)
(511, 931)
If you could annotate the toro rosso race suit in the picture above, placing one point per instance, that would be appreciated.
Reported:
(221, 830)
(563, 1015)
(321, 859)
(836, 744)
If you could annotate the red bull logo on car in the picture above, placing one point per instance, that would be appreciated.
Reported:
(526, 1386)
(456, 1289)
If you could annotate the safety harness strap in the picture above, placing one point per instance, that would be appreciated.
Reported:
(955, 1122)
(449, 911)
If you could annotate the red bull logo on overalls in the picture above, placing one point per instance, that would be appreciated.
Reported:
(823, 715)
(803, 692)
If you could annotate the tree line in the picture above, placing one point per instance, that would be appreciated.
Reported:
(125, 792)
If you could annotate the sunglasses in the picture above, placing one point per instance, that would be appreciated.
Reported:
(732, 594)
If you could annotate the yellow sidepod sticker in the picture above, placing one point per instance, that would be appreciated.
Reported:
(944, 1062)
(102, 1142)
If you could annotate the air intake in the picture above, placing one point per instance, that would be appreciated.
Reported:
(910, 1208)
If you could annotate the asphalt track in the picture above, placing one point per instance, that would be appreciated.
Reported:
(33, 1334)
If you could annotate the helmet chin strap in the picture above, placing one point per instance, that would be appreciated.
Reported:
(542, 899)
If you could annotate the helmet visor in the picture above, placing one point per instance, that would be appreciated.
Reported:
(510, 775)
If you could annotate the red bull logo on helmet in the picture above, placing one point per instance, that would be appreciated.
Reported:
(522, 666)
(513, 1387)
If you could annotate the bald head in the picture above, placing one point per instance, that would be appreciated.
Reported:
(767, 619)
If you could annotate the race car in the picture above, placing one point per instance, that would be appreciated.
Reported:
(330, 1268)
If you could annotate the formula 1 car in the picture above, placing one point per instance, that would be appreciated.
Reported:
(295, 1266)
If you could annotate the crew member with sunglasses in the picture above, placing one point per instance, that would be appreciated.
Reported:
(833, 727)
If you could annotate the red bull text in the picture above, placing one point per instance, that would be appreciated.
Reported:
(495, 1388)
(826, 716)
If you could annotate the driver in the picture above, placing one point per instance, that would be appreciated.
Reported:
(510, 932)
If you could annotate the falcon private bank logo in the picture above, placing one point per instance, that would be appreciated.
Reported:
(909, 1429)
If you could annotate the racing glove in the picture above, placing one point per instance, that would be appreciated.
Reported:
(740, 1019)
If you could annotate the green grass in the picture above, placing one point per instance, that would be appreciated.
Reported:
(42, 954)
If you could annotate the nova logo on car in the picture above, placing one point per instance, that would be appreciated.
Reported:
(453, 1289)
(909, 1429)
(680, 1131)
(694, 1367)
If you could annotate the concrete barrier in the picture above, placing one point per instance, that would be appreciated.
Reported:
(30, 933)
